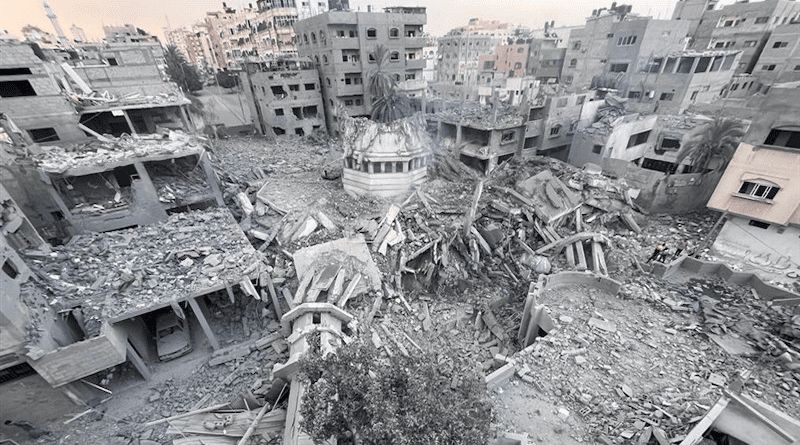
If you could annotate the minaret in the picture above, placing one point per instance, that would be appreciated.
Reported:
(53, 18)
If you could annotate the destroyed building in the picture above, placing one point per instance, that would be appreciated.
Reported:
(111, 90)
(285, 96)
(129, 184)
(384, 159)
(759, 191)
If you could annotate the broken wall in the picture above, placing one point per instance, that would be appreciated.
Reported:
(772, 247)
(680, 193)
(14, 316)
(33, 99)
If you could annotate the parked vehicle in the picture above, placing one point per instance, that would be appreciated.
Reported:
(172, 336)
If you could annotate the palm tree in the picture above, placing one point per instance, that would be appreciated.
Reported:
(388, 104)
(180, 71)
(718, 140)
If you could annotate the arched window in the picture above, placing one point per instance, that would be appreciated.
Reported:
(305, 38)
(518, 65)
(372, 57)
(372, 33)
(322, 35)
(317, 59)
(313, 38)
(573, 62)
(328, 80)
(397, 77)
(395, 56)
(324, 59)
(394, 33)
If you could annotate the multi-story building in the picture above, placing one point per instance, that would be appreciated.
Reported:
(460, 49)
(759, 193)
(195, 43)
(43, 38)
(507, 60)
(342, 44)
(127, 34)
(745, 26)
(587, 48)
(780, 60)
(284, 95)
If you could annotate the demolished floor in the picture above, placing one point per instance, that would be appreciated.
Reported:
(631, 367)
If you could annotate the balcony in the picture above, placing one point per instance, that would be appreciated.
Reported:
(412, 85)
(415, 42)
(349, 90)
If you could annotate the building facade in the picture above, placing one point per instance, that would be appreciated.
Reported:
(342, 45)
(284, 96)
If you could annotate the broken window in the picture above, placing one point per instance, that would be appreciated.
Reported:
(635, 95)
(596, 149)
(278, 130)
(279, 112)
(278, 91)
(10, 269)
(43, 134)
(573, 63)
(669, 143)
(294, 87)
(702, 65)
(759, 224)
(310, 111)
(783, 138)
(310, 87)
(298, 112)
(638, 138)
(394, 56)
(178, 181)
(685, 65)
(299, 131)
(508, 136)
(16, 88)
(619, 67)
(14, 71)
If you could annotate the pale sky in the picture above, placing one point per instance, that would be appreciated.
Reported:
(443, 15)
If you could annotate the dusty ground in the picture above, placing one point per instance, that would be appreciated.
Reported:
(657, 368)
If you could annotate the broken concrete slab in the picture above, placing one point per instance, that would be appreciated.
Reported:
(351, 253)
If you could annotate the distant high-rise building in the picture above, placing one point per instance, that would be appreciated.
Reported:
(338, 5)
(128, 34)
(78, 34)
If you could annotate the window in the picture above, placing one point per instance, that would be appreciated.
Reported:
(797, 68)
(635, 95)
(305, 40)
(666, 96)
(359, 102)
(324, 59)
(702, 65)
(371, 57)
(780, 44)
(517, 65)
(394, 33)
(372, 33)
(508, 136)
(394, 56)
(573, 63)
(14, 71)
(328, 81)
(758, 190)
(576, 45)
(619, 67)
(44, 135)
(310, 87)
(520, 50)
(760, 20)
(768, 67)
(555, 130)
(348, 102)
(668, 143)
(313, 38)
(580, 100)
(294, 87)
(654, 66)
(279, 112)
(561, 102)
(16, 88)
(759, 224)
(734, 87)
(626, 41)
(638, 138)
(694, 95)
(783, 138)
(750, 43)
(568, 79)
(596, 149)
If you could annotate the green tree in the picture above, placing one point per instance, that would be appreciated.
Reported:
(388, 104)
(717, 141)
(226, 80)
(399, 400)
(179, 70)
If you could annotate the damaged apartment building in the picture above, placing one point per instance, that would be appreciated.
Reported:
(135, 255)
(93, 91)
(284, 95)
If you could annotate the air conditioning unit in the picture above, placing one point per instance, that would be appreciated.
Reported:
(651, 94)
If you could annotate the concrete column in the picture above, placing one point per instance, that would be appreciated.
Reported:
(200, 311)
(130, 123)
(187, 124)
(458, 135)
(137, 361)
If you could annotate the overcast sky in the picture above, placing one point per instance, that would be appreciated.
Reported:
(443, 15)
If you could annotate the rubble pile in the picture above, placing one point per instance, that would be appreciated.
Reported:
(610, 114)
(106, 99)
(506, 116)
(130, 270)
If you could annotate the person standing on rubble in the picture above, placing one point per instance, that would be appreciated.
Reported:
(680, 248)
(658, 252)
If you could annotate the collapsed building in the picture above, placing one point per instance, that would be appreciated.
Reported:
(110, 91)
